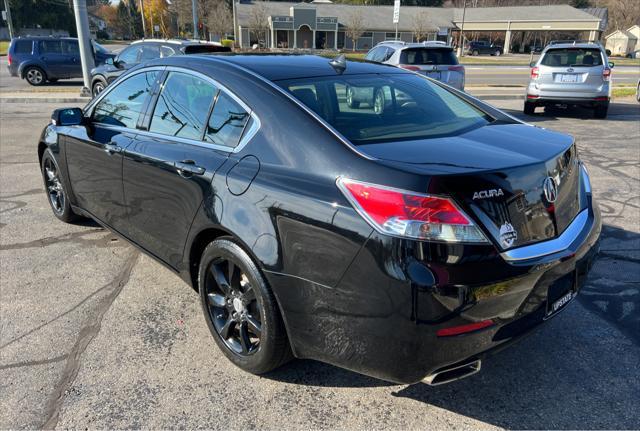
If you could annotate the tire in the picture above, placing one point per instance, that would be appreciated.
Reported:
(529, 108)
(379, 102)
(35, 76)
(240, 310)
(475, 52)
(351, 102)
(601, 111)
(98, 87)
(57, 196)
(638, 93)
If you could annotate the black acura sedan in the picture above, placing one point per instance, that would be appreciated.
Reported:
(404, 239)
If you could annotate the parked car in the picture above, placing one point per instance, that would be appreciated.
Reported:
(436, 60)
(572, 74)
(403, 245)
(46, 59)
(145, 50)
(482, 47)
(638, 91)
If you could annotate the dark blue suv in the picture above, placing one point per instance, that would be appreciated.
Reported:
(42, 59)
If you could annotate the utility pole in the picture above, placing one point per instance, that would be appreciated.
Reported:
(235, 24)
(144, 26)
(84, 42)
(461, 37)
(194, 6)
(7, 12)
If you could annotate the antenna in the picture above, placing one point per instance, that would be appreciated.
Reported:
(339, 64)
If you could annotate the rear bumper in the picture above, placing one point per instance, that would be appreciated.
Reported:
(584, 97)
(13, 70)
(383, 317)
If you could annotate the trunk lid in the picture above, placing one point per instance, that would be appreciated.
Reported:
(497, 174)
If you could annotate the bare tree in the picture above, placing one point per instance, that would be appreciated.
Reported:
(219, 19)
(258, 21)
(420, 26)
(355, 26)
(181, 9)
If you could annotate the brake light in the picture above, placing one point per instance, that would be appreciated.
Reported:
(9, 59)
(535, 73)
(411, 215)
(407, 67)
(458, 68)
(606, 75)
(464, 329)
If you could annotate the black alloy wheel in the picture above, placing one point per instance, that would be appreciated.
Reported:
(98, 87)
(55, 189)
(233, 307)
(240, 309)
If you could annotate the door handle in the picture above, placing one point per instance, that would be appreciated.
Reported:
(188, 168)
(112, 148)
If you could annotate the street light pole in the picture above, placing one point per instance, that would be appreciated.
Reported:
(84, 42)
(7, 11)
(461, 37)
(195, 19)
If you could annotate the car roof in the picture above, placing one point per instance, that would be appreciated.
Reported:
(183, 42)
(45, 38)
(398, 44)
(565, 45)
(284, 67)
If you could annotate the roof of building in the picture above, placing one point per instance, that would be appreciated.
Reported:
(623, 33)
(560, 12)
(599, 12)
(380, 17)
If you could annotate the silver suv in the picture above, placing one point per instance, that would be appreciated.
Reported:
(570, 73)
(434, 59)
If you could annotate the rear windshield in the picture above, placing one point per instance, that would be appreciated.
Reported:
(368, 109)
(572, 57)
(203, 49)
(23, 47)
(418, 56)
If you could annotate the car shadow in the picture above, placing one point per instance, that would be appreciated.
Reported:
(617, 112)
(575, 372)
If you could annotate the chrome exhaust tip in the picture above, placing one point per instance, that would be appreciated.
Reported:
(448, 375)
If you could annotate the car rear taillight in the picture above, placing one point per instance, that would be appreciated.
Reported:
(535, 74)
(606, 75)
(9, 59)
(458, 68)
(411, 215)
(464, 329)
(408, 67)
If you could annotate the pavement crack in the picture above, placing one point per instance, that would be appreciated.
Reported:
(73, 237)
(86, 335)
(32, 363)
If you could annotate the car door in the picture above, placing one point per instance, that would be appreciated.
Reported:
(52, 58)
(94, 152)
(168, 169)
(72, 65)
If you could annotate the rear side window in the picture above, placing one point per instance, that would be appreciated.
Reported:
(183, 106)
(420, 56)
(130, 55)
(23, 47)
(70, 47)
(227, 122)
(50, 47)
(166, 51)
(122, 105)
(368, 109)
(572, 57)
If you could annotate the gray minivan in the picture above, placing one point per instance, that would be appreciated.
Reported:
(570, 73)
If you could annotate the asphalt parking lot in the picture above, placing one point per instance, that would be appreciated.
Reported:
(95, 335)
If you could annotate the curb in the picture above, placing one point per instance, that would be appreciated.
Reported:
(82, 100)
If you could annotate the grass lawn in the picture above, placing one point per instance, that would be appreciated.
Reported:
(624, 91)
(4, 46)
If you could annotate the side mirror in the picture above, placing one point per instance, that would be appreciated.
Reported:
(67, 117)
(532, 64)
(109, 61)
(611, 64)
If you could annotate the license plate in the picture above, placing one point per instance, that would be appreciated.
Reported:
(560, 293)
(568, 78)
(434, 75)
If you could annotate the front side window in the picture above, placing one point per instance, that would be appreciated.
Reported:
(129, 55)
(183, 106)
(122, 105)
(572, 57)
(227, 122)
(368, 109)
(50, 47)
